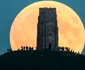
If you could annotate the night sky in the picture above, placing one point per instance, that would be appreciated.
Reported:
(10, 8)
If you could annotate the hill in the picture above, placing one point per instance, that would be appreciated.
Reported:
(42, 60)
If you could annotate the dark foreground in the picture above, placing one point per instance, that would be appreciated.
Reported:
(41, 60)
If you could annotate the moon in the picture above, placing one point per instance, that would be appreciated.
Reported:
(23, 31)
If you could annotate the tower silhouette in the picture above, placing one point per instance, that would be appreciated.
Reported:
(47, 30)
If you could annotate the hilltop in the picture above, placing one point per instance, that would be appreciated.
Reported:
(41, 60)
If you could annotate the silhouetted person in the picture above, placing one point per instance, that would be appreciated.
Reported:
(71, 51)
(18, 49)
(31, 48)
(62, 48)
(24, 48)
(21, 47)
(59, 48)
(27, 48)
(78, 53)
(67, 49)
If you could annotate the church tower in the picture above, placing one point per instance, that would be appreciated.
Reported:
(47, 30)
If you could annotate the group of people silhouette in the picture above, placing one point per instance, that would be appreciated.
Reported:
(24, 48)
(67, 49)
(63, 49)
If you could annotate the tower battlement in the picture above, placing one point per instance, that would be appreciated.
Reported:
(47, 10)
(48, 14)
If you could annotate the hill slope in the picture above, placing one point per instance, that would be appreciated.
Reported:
(41, 60)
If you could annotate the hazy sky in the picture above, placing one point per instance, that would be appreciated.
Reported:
(10, 8)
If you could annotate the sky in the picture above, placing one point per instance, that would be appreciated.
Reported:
(10, 8)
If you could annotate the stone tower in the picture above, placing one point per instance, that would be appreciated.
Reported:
(47, 30)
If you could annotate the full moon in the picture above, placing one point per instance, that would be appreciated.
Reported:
(23, 31)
